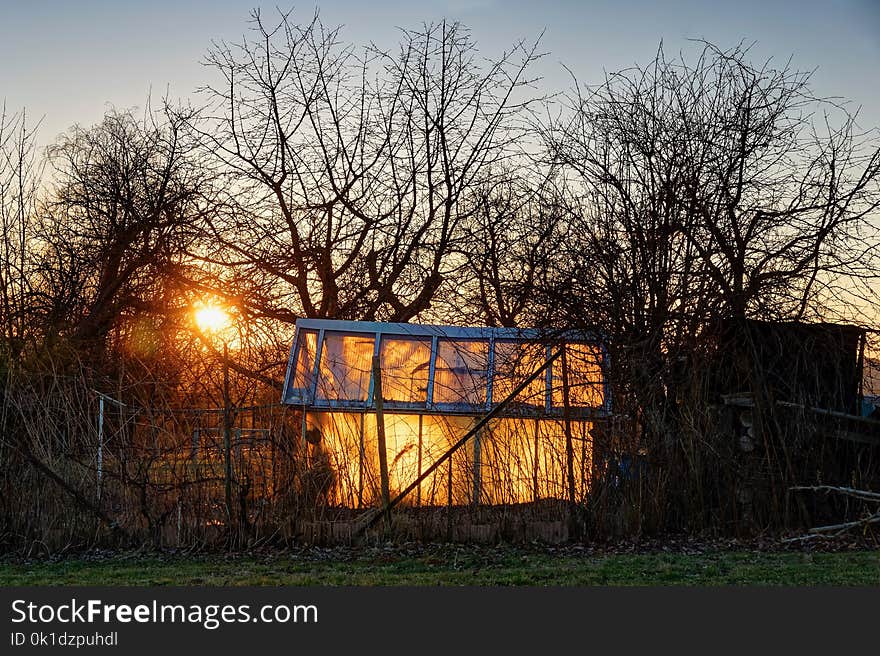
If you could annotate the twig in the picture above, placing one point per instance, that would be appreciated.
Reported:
(840, 528)
(865, 495)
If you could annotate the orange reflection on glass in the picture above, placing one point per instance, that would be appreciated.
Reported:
(305, 359)
(585, 389)
(405, 363)
(344, 374)
(514, 362)
(461, 371)
(520, 460)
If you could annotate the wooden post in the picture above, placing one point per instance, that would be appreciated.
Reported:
(535, 470)
(227, 434)
(476, 469)
(100, 454)
(566, 420)
(419, 488)
(380, 434)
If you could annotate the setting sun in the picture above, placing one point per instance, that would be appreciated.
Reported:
(211, 318)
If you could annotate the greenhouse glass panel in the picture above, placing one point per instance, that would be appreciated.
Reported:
(344, 374)
(514, 362)
(438, 384)
(405, 364)
(585, 380)
(305, 361)
(461, 372)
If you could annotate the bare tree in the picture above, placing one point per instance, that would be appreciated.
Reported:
(729, 186)
(705, 192)
(126, 200)
(353, 170)
(20, 177)
(509, 247)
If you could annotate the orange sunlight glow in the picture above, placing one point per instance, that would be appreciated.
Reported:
(211, 318)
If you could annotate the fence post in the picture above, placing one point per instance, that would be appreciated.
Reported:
(100, 454)
(476, 469)
(227, 435)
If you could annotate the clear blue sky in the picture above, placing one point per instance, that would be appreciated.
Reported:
(68, 60)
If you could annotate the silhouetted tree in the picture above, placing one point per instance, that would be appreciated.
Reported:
(20, 179)
(354, 170)
(705, 192)
(126, 201)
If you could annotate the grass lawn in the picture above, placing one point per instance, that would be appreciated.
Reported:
(453, 565)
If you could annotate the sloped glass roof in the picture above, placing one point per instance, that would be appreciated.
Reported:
(441, 369)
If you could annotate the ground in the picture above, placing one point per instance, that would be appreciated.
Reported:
(668, 563)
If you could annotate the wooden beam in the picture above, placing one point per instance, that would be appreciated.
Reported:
(380, 432)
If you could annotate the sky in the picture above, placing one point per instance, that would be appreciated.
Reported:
(68, 61)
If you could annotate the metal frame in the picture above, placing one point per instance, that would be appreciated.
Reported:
(307, 398)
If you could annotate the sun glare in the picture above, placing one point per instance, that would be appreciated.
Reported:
(211, 318)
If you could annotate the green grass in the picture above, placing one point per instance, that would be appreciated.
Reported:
(452, 566)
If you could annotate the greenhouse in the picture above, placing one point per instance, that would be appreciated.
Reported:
(438, 383)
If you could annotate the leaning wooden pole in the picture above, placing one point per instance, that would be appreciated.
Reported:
(380, 433)
(494, 412)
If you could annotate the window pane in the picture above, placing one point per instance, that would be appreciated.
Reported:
(405, 363)
(514, 362)
(584, 377)
(460, 373)
(305, 359)
(345, 367)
